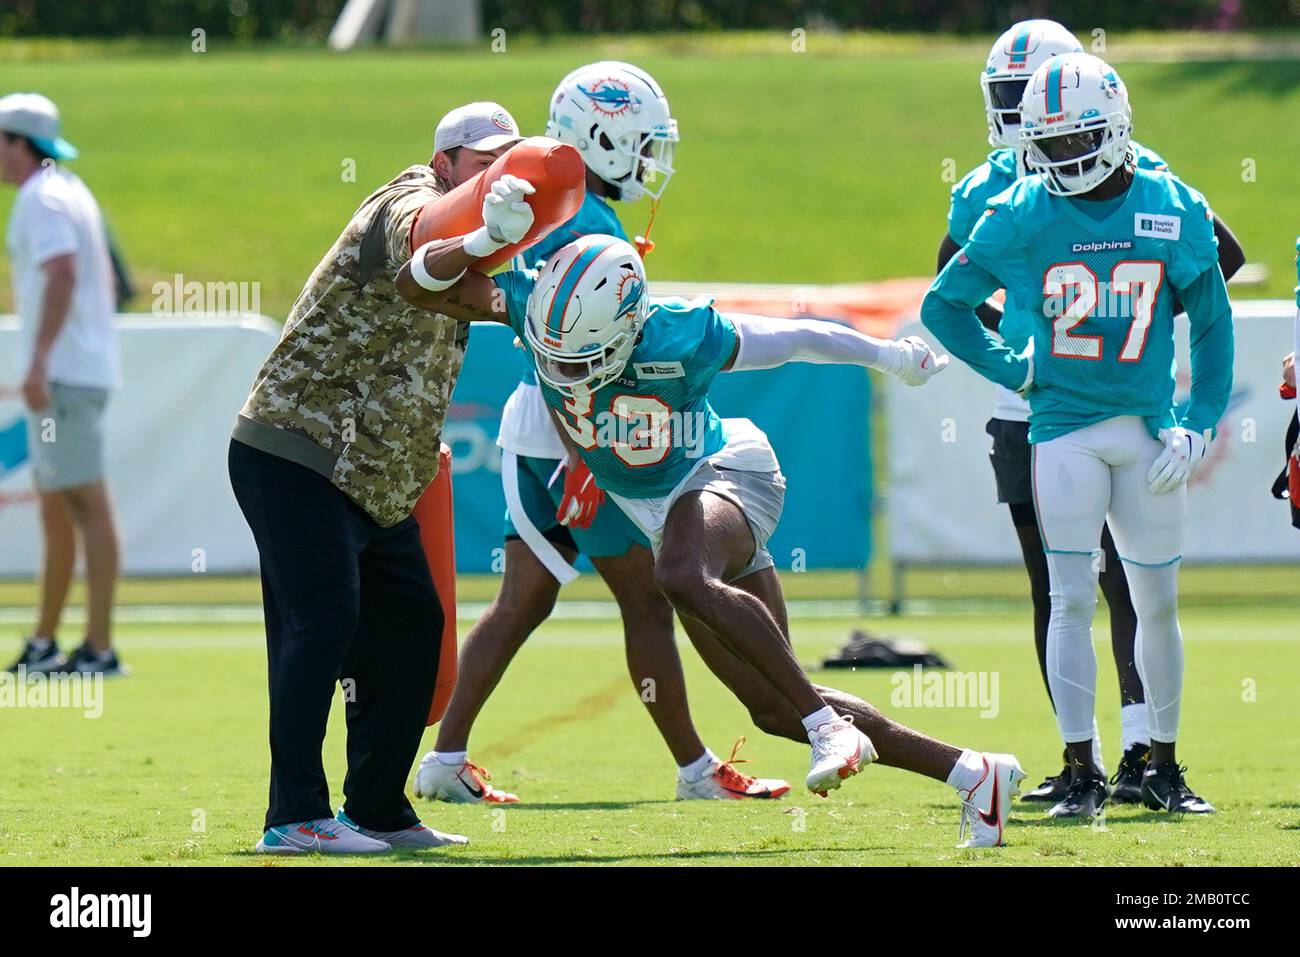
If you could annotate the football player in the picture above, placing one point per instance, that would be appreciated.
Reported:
(617, 117)
(1014, 58)
(1092, 251)
(628, 375)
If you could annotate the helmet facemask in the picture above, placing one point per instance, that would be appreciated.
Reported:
(1079, 158)
(1002, 97)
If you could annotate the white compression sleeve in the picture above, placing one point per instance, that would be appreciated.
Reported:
(766, 343)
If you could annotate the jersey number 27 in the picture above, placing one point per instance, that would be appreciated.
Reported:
(1140, 280)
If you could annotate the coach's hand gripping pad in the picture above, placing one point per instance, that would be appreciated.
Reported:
(557, 173)
(433, 513)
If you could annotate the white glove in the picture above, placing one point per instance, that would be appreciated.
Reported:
(1183, 452)
(507, 217)
(913, 362)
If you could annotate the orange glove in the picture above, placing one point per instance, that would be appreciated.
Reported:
(581, 496)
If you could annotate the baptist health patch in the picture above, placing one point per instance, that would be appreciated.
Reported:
(1157, 226)
(658, 370)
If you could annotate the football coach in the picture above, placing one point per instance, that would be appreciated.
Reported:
(338, 439)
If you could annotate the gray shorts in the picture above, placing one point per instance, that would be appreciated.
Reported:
(66, 440)
(760, 496)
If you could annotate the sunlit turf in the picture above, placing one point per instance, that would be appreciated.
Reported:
(174, 771)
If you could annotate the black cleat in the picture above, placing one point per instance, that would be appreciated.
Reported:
(1164, 789)
(1053, 789)
(1126, 784)
(37, 660)
(1085, 797)
(89, 662)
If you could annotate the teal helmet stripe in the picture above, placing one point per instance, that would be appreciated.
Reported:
(1053, 90)
(568, 282)
(1020, 45)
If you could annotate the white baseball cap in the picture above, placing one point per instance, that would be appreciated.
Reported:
(477, 126)
(35, 117)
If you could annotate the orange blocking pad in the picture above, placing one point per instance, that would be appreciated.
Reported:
(555, 170)
(433, 513)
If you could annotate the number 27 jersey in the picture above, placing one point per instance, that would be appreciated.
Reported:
(1100, 293)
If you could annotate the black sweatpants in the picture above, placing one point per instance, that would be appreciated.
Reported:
(346, 601)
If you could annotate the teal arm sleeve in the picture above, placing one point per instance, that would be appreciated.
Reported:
(948, 311)
(1210, 313)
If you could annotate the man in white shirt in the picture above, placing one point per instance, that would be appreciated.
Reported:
(68, 364)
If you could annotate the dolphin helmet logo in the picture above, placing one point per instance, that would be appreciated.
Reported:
(630, 292)
(610, 96)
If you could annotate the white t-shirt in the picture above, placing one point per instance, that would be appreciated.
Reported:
(54, 215)
(527, 426)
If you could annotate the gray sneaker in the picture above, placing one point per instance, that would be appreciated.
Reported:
(409, 838)
(325, 835)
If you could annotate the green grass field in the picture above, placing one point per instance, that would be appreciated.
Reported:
(823, 166)
(174, 771)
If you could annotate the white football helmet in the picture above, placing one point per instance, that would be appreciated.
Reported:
(1012, 61)
(585, 313)
(1076, 123)
(616, 116)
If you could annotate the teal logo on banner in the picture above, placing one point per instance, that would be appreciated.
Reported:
(817, 417)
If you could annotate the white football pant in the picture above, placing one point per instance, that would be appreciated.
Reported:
(1082, 480)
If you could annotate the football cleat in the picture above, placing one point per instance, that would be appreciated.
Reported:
(1053, 788)
(1085, 797)
(1164, 789)
(464, 784)
(1126, 783)
(986, 807)
(415, 837)
(839, 751)
(325, 835)
(38, 660)
(725, 783)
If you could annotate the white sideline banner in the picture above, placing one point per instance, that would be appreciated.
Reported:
(166, 435)
(942, 501)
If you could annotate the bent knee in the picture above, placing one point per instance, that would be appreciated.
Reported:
(685, 586)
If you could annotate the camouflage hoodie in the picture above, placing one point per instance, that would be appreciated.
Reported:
(358, 386)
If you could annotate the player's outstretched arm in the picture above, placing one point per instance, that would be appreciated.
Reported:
(435, 277)
(765, 343)
(948, 311)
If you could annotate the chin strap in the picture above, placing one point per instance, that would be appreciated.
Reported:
(644, 245)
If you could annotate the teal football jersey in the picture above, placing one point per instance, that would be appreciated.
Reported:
(643, 433)
(1297, 271)
(593, 216)
(970, 197)
(1098, 295)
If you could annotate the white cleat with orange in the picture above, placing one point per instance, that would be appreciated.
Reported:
(459, 784)
(839, 751)
(986, 807)
(725, 783)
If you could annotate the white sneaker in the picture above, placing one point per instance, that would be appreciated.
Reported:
(415, 837)
(839, 751)
(986, 807)
(466, 784)
(725, 783)
(325, 835)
